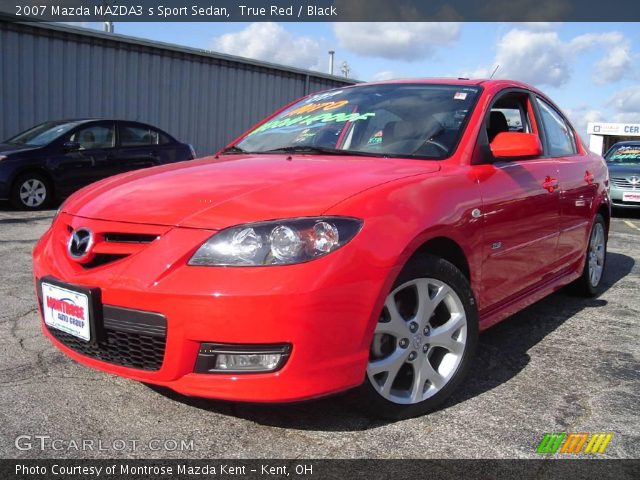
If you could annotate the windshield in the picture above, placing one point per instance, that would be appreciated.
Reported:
(624, 154)
(42, 134)
(398, 120)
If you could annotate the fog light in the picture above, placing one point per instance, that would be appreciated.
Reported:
(225, 358)
(252, 362)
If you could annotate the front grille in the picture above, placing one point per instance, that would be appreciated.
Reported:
(624, 183)
(102, 259)
(130, 237)
(130, 338)
(113, 245)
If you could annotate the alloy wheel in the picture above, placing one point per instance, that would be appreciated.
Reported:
(596, 254)
(419, 341)
(33, 193)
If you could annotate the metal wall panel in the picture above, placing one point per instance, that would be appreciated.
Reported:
(50, 72)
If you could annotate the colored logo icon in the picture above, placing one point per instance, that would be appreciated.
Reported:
(572, 443)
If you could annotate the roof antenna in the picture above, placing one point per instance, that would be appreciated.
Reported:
(494, 71)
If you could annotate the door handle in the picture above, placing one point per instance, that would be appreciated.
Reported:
(588, 177)
(550, 184)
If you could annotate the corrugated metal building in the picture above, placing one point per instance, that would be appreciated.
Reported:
(52, 71)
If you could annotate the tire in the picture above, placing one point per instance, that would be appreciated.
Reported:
(588, 285)
(31, 191)
(423, 343)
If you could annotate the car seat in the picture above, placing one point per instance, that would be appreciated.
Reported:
(497, 124)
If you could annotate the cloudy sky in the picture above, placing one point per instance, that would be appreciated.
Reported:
(592, 70)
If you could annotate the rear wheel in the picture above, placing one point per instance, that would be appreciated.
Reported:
(31, 191)
(423, 342)
(595, 258)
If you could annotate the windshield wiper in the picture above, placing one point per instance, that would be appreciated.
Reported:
(323, 150)
(233, 149)
(306, 149)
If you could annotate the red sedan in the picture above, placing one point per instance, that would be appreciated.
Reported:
(358, 238)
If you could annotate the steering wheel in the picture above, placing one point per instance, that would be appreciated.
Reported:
(443, 148)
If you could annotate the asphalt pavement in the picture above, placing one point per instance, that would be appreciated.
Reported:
(565, 364)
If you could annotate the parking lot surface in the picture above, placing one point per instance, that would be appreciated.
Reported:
(565, 364)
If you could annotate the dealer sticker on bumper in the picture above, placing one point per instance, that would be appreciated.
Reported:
(631, 197)
(66, 310)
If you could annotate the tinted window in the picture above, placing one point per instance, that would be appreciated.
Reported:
(42, 134)
(402, 120)
(131, 136)
(163, 139)
(97, 136)
(628, 154)
(559, 135)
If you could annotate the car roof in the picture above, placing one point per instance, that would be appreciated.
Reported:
(626, 142)
(97, 119)
(491, 84)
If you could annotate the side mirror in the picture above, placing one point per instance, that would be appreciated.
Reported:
(515, 145)
(71, 146)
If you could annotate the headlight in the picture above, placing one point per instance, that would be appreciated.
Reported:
(278, 242)
(2, 157)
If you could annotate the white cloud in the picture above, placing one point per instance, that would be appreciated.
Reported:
(533, 57)
(581, 116)
(622, 107)
(384, 75)
(617, 61)
(541, 57)
(626, 117)
(270, 42)
(627, 100)
(395, 40)
(539, 26)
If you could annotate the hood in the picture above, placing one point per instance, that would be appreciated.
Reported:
(236, 189)
(8, 148)
(624, 169)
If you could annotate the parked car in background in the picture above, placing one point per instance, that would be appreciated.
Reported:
(54, 159)
(623, 160)
(359, 238)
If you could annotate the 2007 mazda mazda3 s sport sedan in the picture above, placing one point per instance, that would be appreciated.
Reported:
(358, 238)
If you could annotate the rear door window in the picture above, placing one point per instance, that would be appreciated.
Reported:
(137, 136)
(560, 139)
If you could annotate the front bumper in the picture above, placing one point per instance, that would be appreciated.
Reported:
(6, 173)
(616, 194)
(326, 309)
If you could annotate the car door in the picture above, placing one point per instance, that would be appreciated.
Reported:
(576, 174)
(138, 147)
(520, 209)
(85, 157)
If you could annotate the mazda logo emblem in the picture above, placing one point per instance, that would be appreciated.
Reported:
(80, 244)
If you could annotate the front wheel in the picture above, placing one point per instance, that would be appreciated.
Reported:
(423, 342)
(31, 191)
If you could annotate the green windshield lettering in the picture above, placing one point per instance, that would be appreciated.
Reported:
(306, 120)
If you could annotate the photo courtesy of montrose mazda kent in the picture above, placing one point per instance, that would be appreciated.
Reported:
(359, 238)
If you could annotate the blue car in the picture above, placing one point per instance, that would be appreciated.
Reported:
(54, 159)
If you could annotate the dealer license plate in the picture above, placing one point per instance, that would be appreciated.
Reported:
(631, 197)
(67, 310)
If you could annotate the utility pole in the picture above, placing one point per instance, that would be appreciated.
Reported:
(345, 69)
(107, 25)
